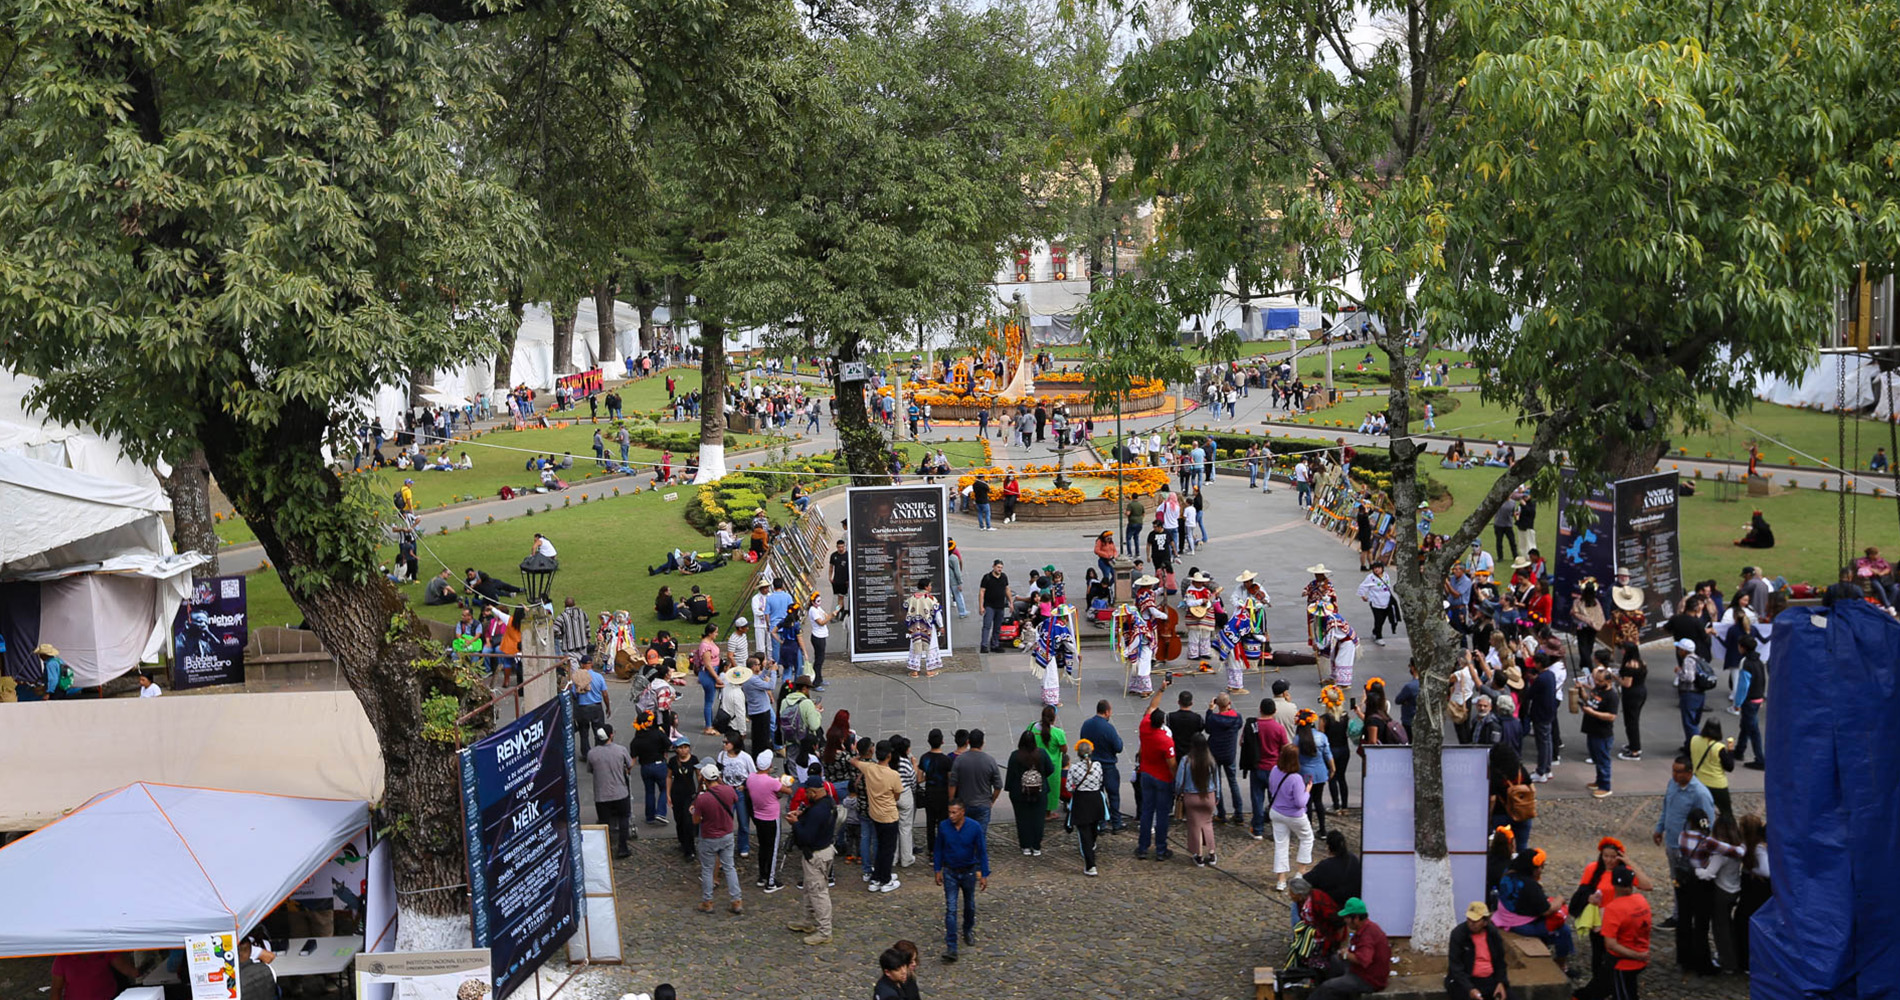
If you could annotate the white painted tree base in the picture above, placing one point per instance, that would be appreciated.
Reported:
(428, 932)
(712, 463)
(1433, 910)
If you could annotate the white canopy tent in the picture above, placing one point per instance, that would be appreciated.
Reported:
(109, 582)
(147, 865)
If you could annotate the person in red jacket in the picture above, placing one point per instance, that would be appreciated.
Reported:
(1366, 956)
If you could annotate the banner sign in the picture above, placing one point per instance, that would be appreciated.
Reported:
(211, 966)
(209, 633)
(1647, 544)
(582, 384)
(1635, 528)
(896, 536)
(522, 811)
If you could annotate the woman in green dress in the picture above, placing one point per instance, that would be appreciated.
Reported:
(1054, 743)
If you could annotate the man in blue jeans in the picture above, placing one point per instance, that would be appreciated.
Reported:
(1222, 727)
(1540, 710)
(1100, 733)
(980, 495)
(1600, 703)
(994, 590)
(1156, 762)
(961, 862)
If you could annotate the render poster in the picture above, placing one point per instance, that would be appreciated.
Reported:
(1583, 549)
(896, 536)
(522, 811)
(1647, 543)
(211, 966)
(209, 633)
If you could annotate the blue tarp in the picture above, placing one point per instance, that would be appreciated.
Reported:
(1282, 319)
(1832, 929)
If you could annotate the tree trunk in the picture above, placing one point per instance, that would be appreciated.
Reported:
(1433, 651)
(676, 312)
(189, 490)
(712, 402)
(646, 325)
(505, 348)
(608, 336)
(321, 548)
(864, 450)
(562, 310)
(1623, 460)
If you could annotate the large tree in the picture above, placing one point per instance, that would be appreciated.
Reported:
(1625, 213)
(918, 155)
(227, 223)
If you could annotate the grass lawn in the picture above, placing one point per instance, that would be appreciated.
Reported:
(962, 454)
(605, 547)
(1352, 359)
(1805, 523)
(642, 394)
(1797, 433)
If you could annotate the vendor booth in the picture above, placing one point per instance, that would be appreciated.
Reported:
(146, 866)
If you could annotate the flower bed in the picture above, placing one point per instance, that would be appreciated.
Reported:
(1051, 503)
(947, 404)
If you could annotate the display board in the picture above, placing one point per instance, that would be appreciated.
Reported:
(211, 964)
(1634, 527)
(1647, 542)
(582, 384)
(895, 537)
(521, 809)
(1387, 796)
(209, 633)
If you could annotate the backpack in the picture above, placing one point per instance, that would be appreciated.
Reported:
(1704, 677)
(1032, 782)
(791, 723)
(1520, 801)
(396, 497)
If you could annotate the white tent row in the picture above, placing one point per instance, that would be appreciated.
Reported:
(1820, 387)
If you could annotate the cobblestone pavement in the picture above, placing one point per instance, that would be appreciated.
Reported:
(1142, 929)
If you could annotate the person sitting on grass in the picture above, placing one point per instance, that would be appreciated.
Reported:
(725, 540)
(1759, 536)
(664, 607)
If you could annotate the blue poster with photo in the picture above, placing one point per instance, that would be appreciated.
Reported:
(522, 814)
(209, 633)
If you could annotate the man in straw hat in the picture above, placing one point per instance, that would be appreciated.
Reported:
(1626, 621)
(1475, 968)
(1197, 603)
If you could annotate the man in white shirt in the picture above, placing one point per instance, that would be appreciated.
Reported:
(761, 619)
(542, 547)
(1154, 448)
(148, 688)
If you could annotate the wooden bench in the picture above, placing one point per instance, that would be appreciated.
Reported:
(277, 644)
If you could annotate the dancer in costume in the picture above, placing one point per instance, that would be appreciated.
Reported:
(1340, 644)
(923, 617)
(1138, 642)
(1054, 653)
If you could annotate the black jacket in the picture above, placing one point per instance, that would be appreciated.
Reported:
(812, 832)
(1458, 960)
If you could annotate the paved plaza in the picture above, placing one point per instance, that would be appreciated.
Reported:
(1142, 929)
